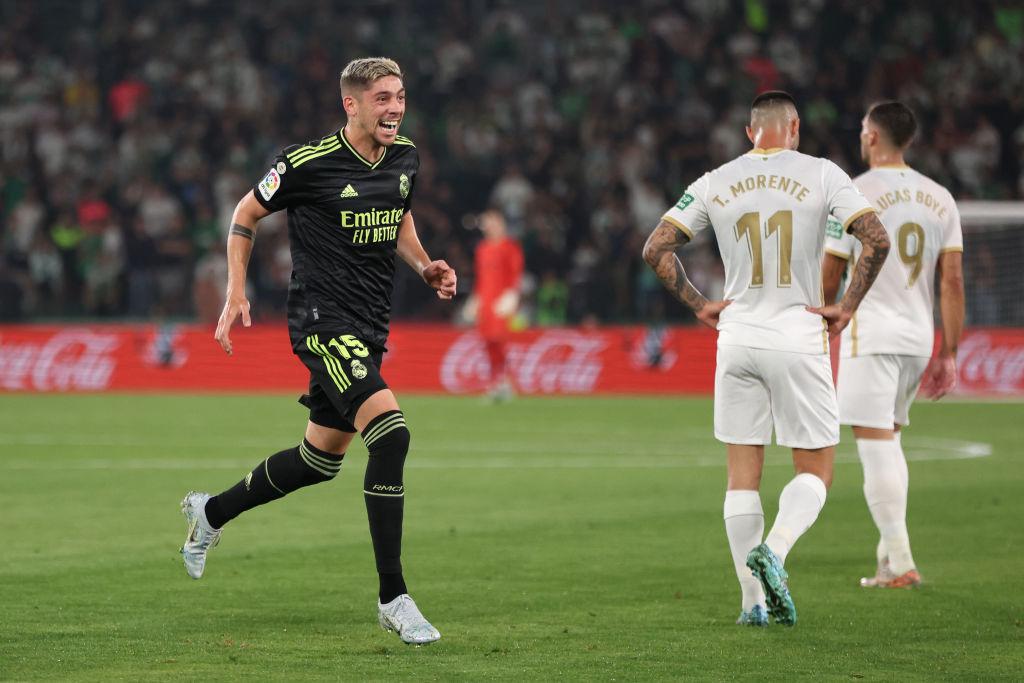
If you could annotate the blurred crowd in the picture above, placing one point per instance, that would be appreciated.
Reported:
(129, 130)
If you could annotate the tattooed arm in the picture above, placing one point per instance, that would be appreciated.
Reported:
(660, 255)
(875, 246)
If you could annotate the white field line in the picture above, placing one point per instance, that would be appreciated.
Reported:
(457, 455)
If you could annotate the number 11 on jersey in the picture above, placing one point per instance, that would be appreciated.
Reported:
(780, 224)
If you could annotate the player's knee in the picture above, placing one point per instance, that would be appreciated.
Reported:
(319, 465)
(301, 466)
(387, 434)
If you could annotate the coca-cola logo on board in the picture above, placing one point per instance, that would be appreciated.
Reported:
(990, 366)
(73, 359)
(562, 361)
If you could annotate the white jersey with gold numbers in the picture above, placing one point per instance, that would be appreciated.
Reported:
(768, 210)
(896, 315)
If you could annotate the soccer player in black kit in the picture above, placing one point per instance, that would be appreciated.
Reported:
(348, 198)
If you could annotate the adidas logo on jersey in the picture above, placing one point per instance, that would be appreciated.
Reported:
(349, 191)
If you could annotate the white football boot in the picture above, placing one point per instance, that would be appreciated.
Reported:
(402, 616)
(201, 536)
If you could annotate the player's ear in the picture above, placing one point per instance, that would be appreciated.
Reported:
(348, 103)
(750, 136)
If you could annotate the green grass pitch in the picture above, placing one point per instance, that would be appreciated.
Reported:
(549, 539)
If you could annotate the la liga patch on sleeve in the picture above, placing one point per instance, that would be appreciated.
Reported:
(834, 228)
(684, 201)
(268, 186)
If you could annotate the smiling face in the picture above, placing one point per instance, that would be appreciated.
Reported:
(376, 111)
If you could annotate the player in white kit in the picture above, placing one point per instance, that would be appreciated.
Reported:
(885, 350)
(767, 209)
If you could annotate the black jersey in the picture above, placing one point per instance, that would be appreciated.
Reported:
(344, 213)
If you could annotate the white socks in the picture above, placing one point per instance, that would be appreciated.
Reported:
(744, 525)
(799, 504)
(885, 489)
(904, 472)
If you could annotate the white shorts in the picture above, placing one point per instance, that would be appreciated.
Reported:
(758, 388)
(877, 390)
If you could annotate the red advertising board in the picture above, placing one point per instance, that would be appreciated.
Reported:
(626, 359)
(421, 358)
(991, 361)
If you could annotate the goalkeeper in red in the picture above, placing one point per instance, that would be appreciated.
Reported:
(348, 198)
(885, 350)
(498, 271)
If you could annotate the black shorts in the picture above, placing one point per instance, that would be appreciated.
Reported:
(343, 373)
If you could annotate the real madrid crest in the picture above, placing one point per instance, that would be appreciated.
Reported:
(403, 186)
(281, 167)
(358, 369)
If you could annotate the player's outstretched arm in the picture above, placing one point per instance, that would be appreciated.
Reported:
(875, 247)
(940, 377)
(247, 214)
(438, 274)
(660, 254)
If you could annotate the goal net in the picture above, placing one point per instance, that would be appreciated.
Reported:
(993, 259)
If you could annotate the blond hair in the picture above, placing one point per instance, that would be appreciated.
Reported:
(360, 73)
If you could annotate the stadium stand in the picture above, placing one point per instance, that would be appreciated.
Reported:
(128, 131)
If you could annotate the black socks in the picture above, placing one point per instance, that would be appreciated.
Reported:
(387, 439)
(273, 478)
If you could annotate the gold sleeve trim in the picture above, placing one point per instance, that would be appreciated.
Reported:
(673, 221)
(949, 250)
(855, 216)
